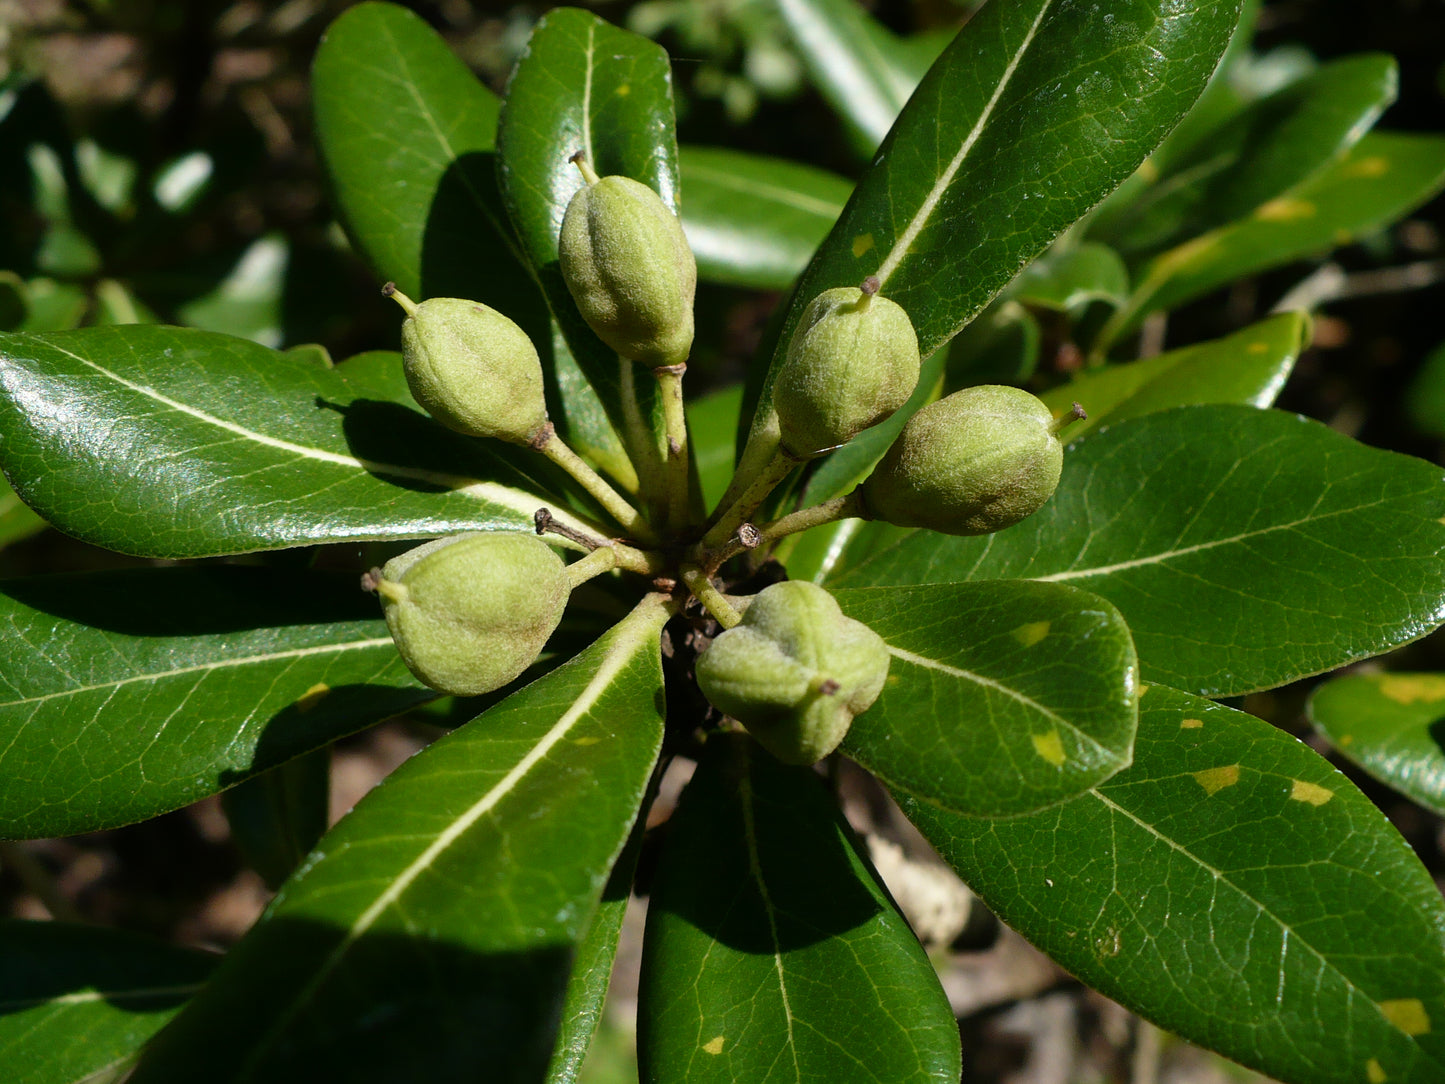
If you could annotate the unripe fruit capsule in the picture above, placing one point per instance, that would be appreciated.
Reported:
(471, 612)
(795, 671)
(471, 368)
(976, 462)
(852, 361)
(629, 268)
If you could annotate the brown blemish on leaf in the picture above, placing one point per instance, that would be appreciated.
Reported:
(1050, 747)
(312, 696)
(1408, 1014)
(1030, 634)
(1214, 780)
(1312, 793)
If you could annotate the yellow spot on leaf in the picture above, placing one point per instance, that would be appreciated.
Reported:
(1347, 739)
(1050, 747)
(1142, 690)
(1285, 209)
(861, 244)
(1214, 780)
(1108, 944)
(312, 696)
(1412, 688)
(713, 1046)
(1408, 1014)
(1257, 348)
(1374, 1072)
(1312, 793)
(624, 90)
(1149, 171)
(1373, 166)
(1032, 633)
(1343, 237)
(1190, 724)
(591, 739)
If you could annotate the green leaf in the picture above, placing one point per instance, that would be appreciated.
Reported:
(752, 220)
(276, 817)
(1000, 346)
(584, 85)
(1382, 178)
(1264, 151)
(1002, 697)
(432, 934)
(1028, 119)
(78, 1001)
(1247, 367)
(1245, 548)
(862, 69)
(592, 967)
(126, 694)
(17, 521)
(201, 444)
(1235, 889)
(1390, 725)
(409, 136)
(1072, 279)
(772, 952)
(712, 425)
(1425, 401)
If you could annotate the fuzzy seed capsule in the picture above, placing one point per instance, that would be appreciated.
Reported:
(471, 612)
(975, 462)
(472, 368)
(630, 269)
(852, 362)
(795, 671)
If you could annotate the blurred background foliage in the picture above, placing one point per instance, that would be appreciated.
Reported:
(157, 162)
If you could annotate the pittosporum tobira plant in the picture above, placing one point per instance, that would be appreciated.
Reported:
(1029, 645)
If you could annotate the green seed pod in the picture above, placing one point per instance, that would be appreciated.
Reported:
(976, 462)
(472, 368)
(472, 611)
(630, 269)
(795, 671)
(852, 362)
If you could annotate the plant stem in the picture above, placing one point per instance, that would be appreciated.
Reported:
(763, 483)
(555, 449)
(638, 435)
(603, 559)
(679, 494)
(713, 600)
(847, 506)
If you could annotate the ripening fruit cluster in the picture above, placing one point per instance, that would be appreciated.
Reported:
(471, 612)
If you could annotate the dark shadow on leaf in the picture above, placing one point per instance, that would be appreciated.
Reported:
(195, 600)
(1436, 730)
(391, 1008)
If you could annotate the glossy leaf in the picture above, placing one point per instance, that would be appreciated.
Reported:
(169, 442)
(1392, 725)
(126, 694)
(592, 967)
(712, 425)
(409, 136)
(1235, 889)
(276, 817)
(1245, 548)
(1265, 150)
(1385, 176)
(1247, 367)
(440, 918)
(583, 85)
(77, 1002)
(752, 220)
(772, 953)
(1002, 697)
(17, 521)
(1069, 280)
(862, 69)
(1028, 119)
